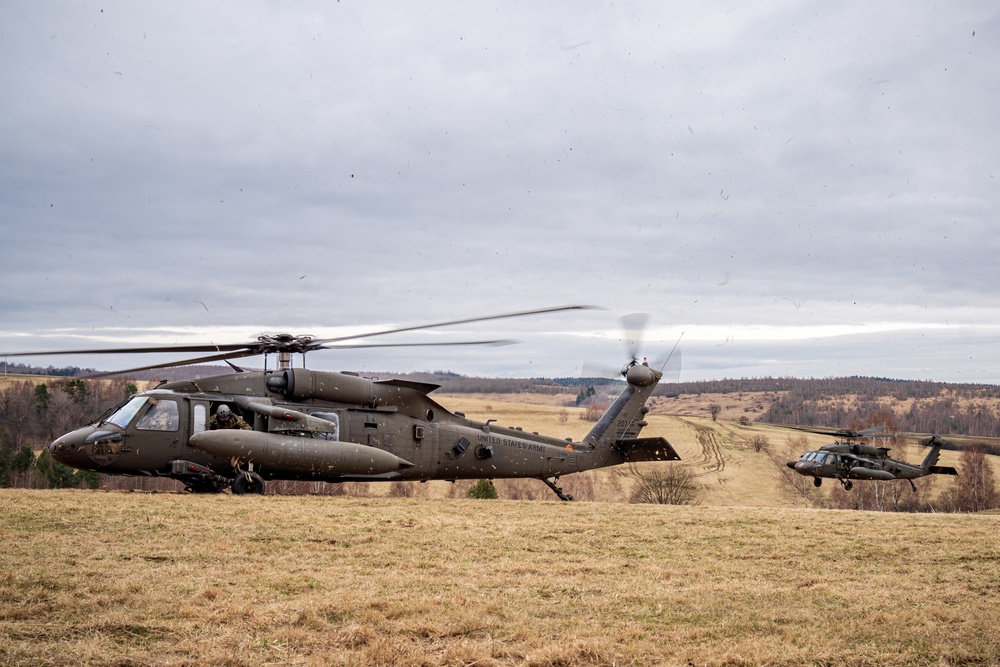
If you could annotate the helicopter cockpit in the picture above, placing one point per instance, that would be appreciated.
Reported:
(161, 415)
(820, 458)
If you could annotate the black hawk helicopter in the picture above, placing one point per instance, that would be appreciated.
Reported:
(239, 430)
(846, 460)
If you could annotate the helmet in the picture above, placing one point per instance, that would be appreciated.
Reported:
(224, 412)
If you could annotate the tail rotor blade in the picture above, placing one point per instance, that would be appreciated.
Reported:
(633, 333)
(671, 368)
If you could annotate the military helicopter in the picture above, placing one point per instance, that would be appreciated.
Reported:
(847, 460)
(239, 430)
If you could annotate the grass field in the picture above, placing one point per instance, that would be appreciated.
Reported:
(98, 578)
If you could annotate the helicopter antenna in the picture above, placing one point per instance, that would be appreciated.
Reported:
(233, 366)
(672, 350)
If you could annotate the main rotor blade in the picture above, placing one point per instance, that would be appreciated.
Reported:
(260, 347)
(948, 438)
(524, 313)
(231, 347)
(171, 364)
(358, 346)
(838, 432)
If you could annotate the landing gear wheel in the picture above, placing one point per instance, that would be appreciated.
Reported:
(817, 481)
(848, 485)
(248, 482)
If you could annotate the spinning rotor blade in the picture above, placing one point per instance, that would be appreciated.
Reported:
(929, 439)
(266, 344)
(285, 343)
(634, 337)
(633, 330)
(209, 347)
(840, 432)
(324, 341)
(250, 353)
(171, 364)
(671, 368)
(358, 346)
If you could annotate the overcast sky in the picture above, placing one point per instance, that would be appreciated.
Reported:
(802, 189)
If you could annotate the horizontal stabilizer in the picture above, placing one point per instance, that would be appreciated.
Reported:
(646, 449)
(422, 387)
(942, 470)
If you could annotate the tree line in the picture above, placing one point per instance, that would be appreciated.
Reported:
(913, 407)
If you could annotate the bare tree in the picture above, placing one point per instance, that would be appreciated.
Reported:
(672, 484)
(802, 488)
(975, 488)
(759, 442)
(594, 410)
(714, 409)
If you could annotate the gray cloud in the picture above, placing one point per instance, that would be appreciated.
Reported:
(292, 167)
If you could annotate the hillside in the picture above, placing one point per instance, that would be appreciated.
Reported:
(725, 464)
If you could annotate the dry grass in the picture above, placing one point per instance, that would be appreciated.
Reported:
(8, 379)
(133, 579)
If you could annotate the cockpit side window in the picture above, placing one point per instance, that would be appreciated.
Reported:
(161, 416)
(200, 413)
(334, 419)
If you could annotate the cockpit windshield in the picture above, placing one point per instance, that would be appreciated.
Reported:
(125, 413)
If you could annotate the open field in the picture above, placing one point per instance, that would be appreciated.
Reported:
(7, 379)
(103, 578)
(729, 470)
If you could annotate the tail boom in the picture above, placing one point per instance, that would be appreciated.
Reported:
(615, 438)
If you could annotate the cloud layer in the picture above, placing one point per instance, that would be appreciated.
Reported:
(829, 173)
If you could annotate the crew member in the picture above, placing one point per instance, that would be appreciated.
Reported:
(224, 417)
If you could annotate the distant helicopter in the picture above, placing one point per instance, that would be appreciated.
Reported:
(239, 430)
(846, 460)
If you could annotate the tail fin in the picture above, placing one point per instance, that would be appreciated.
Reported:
(933, 455)
(624, 418)
(614, 439)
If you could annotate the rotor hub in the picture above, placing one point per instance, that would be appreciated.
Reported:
(285, 343)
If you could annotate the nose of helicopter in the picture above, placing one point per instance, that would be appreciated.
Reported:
(68, 449)
(800, 466)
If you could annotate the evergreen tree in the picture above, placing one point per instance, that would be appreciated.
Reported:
(6, 455)
(42, 397)
(483, 490)
(23, 460)
(77, 390)
(58, 475)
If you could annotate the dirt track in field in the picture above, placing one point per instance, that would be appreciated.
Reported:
(713, 458)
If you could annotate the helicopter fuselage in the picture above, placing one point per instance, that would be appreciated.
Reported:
(312, 425)
(850, 461)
